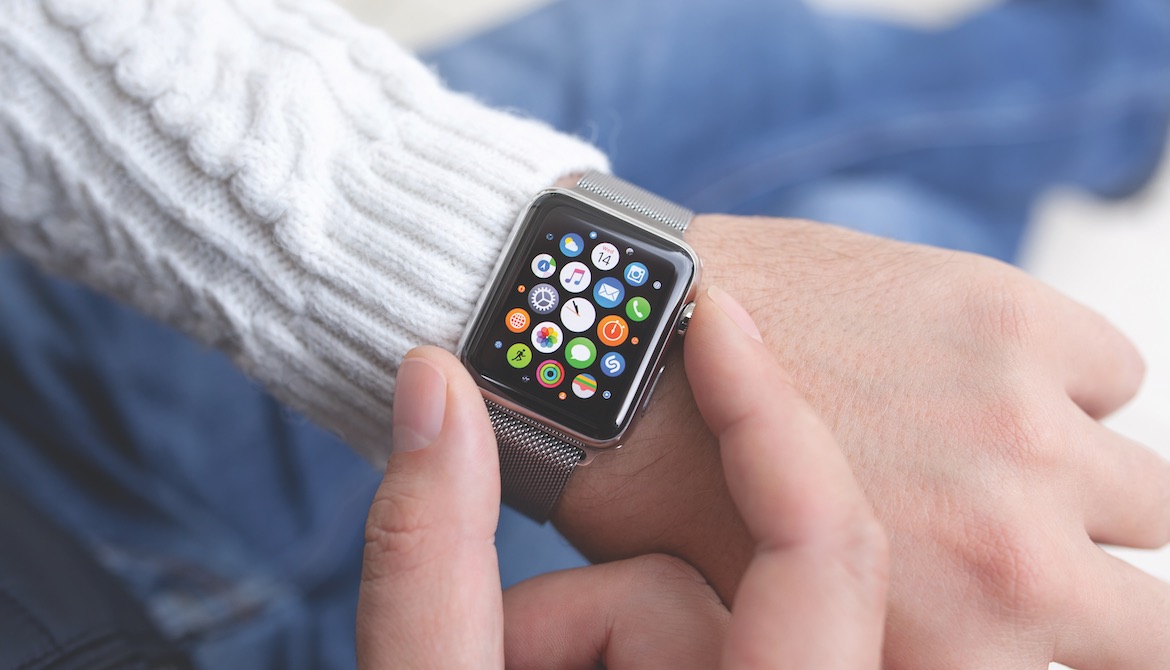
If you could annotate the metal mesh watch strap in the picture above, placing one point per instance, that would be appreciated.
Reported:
(535, 462)
(637, 202)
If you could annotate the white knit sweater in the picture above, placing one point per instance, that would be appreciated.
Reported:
(268, 176)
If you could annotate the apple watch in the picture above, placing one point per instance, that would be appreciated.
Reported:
(570, 334)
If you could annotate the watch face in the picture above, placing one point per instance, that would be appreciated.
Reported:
(578, 317)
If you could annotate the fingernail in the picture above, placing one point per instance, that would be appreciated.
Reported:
(420, 400)
(735, 311)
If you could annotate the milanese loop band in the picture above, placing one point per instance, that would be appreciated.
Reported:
(535, 463)
(637, 201)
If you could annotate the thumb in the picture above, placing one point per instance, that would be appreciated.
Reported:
(430, 592)
(814, 594)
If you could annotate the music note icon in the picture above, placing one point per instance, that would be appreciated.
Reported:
(575, 277)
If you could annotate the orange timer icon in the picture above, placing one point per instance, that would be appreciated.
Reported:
(612, 330)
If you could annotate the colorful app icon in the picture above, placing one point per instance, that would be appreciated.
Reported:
(544, 266)
(580, 352)
(575, 277)
(608, 292)
(572, 245)
(612, 330)
(638, 309)
(584, 386)
(605, 256)
(550, 374)
(517, 320)
(578, 314)
(613, 364)
(547, 337)
(543, 298)
(519, 355)
(636, 274)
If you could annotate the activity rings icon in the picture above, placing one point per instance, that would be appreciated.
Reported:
(550, 373)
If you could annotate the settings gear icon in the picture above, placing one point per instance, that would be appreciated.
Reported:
(543, 298)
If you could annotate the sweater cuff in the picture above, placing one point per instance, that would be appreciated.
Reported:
(269, 176)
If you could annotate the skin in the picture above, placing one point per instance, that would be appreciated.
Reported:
(966, 397)
(813, 595)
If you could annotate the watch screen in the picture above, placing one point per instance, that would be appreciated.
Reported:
(583, 305)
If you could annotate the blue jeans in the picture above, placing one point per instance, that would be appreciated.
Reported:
(240, 524)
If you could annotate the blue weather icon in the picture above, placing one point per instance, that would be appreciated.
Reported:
(572, 245)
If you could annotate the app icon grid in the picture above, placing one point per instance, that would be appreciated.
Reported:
(608, 293)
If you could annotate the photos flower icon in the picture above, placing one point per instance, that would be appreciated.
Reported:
(547, 337)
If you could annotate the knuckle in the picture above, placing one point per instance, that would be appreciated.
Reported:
(665, 570)
(397, 530)
(1010, 568)
(1003, 310)
(665, 598)
(870, 543)
(1022, 433)
(1130, 367)
(863, 551)
(659, 581)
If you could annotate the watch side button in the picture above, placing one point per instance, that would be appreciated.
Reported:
(684, 318)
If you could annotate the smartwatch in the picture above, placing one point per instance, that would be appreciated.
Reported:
(569, 337)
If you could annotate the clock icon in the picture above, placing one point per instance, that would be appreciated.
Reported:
(543, 298)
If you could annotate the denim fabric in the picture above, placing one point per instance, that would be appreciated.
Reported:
(766, 107)
(239, 524)
(59, 609)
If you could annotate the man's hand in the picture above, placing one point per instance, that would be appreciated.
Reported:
(966, 396)
(813, 596)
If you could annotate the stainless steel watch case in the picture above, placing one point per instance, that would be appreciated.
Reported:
(652, 366)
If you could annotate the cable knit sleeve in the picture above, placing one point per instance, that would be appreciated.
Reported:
(268, 176)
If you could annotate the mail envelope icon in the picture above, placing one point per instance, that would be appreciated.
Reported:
(608, 292)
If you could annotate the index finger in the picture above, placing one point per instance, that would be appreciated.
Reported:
(814, 595)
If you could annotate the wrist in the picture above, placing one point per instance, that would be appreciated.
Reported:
(663, 491)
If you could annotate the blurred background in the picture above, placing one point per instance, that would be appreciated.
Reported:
(939, 121)
(1111, 255)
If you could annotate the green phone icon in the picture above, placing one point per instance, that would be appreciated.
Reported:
(638, 309)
